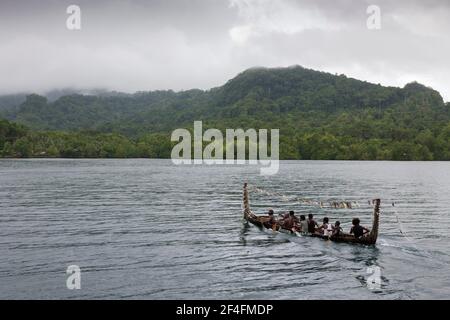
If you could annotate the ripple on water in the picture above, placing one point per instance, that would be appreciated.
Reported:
(147, 229)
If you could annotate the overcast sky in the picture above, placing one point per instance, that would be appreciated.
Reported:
(147, 45)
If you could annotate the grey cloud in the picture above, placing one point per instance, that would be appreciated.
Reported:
(145, 45)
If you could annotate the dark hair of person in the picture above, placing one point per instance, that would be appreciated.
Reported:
(271, 212)
(326, 220)
(338, 223)
(291, 213)
(302, 218)
(310, 216)
(355, 222)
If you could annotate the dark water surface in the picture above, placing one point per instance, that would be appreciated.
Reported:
(143, 229)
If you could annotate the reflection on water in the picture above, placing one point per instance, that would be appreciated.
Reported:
(147, 229)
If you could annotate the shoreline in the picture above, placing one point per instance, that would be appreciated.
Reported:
(281, 160)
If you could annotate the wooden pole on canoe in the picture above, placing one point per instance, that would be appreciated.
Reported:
(373, 235)
(246, 202)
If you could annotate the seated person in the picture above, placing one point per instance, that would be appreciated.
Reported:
(312, 224)
(337, 230)
(290, 222)
(357, 230)
(303, 225)
(270, 222)
(325, 227)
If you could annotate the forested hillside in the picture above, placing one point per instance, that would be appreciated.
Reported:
(320, 116)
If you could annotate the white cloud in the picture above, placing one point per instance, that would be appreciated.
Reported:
(240, 34)
(260, 17)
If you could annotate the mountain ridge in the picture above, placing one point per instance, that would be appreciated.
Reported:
(320, 115)
(55, 94)
(293, 89)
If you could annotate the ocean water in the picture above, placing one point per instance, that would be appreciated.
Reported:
(146, 229)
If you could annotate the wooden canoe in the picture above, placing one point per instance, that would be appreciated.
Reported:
(368, 239)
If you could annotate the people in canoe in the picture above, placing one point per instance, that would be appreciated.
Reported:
(309, 226)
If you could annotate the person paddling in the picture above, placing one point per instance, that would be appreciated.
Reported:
(357, 230)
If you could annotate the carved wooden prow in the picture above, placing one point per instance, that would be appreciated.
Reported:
(246, 201)
(373, 235)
